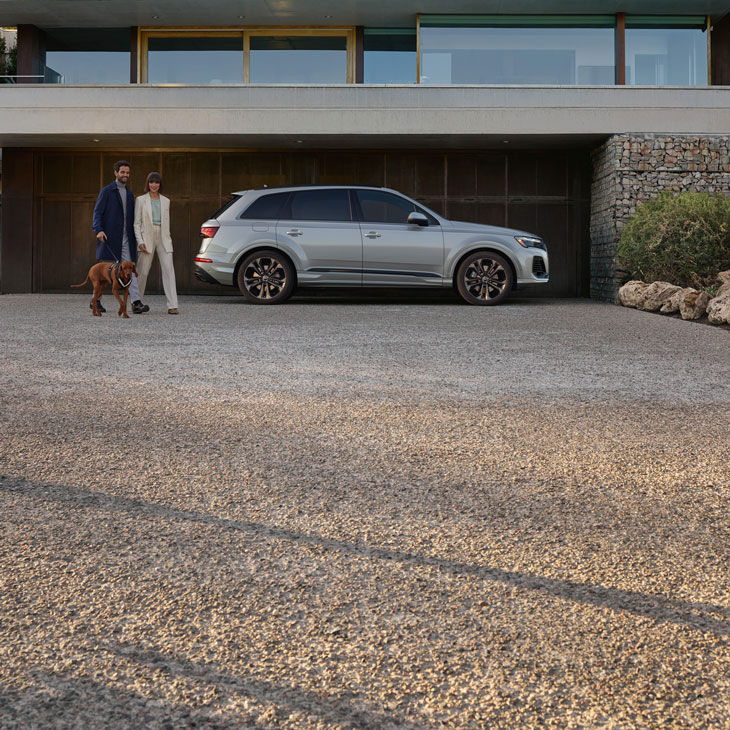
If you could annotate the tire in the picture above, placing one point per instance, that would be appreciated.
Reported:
(484, 278)
(266, 277)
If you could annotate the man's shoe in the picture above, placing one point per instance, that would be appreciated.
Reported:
(98, 304)
(173, 311)
(139, 308)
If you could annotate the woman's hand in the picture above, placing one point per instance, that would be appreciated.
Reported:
(143, 248)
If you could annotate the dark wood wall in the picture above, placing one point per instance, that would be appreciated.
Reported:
(720, 53)
(546, 192)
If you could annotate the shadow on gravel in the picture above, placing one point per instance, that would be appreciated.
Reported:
(693, 615)
(57, 699)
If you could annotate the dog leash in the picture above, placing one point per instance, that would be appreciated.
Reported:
(115, 266)
(116, 260)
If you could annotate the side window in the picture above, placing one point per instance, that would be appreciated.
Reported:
(318, 205)
(381, 207)
(266, 207)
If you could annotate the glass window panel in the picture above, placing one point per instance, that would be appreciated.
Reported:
(380, 207)
(298, 59)
(87, 67)
(522, 55)
(666, 57)
(390, 56)
(266, 208)
(87, 56)
(195, 60)
(319, 205)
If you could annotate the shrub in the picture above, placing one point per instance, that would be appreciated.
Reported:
(8, 62)
(683, 239)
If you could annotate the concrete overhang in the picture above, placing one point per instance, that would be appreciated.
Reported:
(375, 13)
(350, 115)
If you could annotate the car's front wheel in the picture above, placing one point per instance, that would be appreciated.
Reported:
(484, 278)
(266, 277)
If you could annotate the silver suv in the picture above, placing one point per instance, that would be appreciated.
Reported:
(270, 240)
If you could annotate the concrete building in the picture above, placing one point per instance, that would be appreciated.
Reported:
(559, 117)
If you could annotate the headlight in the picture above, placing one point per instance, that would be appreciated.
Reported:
(531, 242)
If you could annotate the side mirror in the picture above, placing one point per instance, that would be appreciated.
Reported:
(418, 219)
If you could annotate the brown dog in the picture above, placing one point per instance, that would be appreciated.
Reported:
(119, 275)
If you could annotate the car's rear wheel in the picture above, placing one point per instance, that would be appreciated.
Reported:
(266, 277)
(484, 278)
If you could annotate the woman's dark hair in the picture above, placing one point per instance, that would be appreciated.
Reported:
(152, 177)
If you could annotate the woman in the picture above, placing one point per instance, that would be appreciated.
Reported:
(152, 229)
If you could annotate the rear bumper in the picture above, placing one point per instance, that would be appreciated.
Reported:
(202, 275)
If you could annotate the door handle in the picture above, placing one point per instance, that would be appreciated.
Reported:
(371, 234)
(294, 232)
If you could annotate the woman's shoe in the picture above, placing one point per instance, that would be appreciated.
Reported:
(173, 311)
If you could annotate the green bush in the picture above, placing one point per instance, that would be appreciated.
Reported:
(683, 239)
(8, 62)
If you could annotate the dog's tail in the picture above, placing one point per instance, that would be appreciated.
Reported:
(83, 282)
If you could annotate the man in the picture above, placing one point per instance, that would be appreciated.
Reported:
(114, 227)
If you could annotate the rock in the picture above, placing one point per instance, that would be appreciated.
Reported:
(656, 294)
(694, 304)
(718, 309)
(723, 278)
(671, 305)
(632, 293)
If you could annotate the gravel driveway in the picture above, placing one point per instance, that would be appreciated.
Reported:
(396, 513)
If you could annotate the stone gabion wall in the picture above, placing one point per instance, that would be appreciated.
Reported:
(628, 170)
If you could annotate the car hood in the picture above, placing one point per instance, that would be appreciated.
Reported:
(463, 227)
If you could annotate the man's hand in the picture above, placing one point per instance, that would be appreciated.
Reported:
(143, 248)
(101, 236)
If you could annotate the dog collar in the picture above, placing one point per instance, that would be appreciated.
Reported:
(114, 271)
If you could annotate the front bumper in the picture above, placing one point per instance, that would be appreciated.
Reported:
(532, 266)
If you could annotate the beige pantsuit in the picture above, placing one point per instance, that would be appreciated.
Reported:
(156, 239)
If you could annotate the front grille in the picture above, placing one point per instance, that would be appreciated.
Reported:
(538, 266)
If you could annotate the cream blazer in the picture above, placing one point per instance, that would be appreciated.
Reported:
(143, 226)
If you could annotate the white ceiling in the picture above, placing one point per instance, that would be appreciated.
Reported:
(373, 13)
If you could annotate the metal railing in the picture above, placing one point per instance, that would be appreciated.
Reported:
(13, 78)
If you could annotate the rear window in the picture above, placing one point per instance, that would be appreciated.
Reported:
(266, 207)
(226, 206)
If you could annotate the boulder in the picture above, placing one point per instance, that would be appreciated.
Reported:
(724, 277)
(632, 293)
(656, 294)
(671, 305)
(718, 310)
(694, 304)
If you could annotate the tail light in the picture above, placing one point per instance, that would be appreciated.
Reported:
(208, 231)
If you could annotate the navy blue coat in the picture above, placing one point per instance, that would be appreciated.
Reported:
(109, 217)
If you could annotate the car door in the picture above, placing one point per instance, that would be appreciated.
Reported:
(395, 251)
(317, 227)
